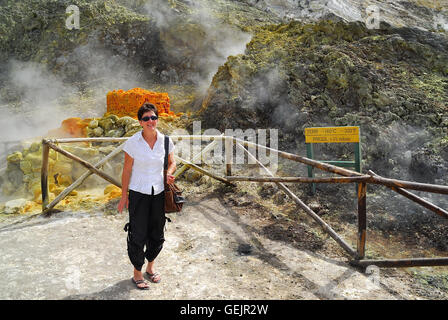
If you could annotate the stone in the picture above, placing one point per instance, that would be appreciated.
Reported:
(15, 206)
(133, 126)
(15, 157)
(53, 154)
(64, 180)
(115, 133)
(93, 124)
(81, 152)
(112, 117)
(61, 168)
(107, 123)
(98, 132)
(315, 206)
(35, 146)
(130, 133)
(112, 191)
(205, 180)
(89, 132)
(26, 167)
(192, 175)
(35, 159)
(126, 120)
(57, 190)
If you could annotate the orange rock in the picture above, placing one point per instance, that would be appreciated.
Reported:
(126, 103)
(71, 128)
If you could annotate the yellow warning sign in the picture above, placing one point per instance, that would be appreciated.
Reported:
(331, 134)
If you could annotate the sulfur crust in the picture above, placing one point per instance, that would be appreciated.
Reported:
(126, 103)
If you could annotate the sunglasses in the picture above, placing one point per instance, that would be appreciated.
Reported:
(144, 119)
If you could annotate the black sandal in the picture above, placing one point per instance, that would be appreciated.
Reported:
(137, 282)
(153, 276)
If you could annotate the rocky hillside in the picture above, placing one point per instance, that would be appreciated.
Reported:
(423, 14)
(392, 82)
(242, 64)
(36, 31)
(284, 64)
(161, 41)
(167, 46)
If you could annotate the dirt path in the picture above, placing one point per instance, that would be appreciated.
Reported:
(210, 253)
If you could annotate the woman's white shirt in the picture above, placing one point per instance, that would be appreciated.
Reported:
(147, 169)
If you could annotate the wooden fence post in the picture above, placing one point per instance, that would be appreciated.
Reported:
(310, 155)
(362, 219)
(44, 174)
(228, 155)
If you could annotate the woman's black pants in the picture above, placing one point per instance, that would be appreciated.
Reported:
(146, 223)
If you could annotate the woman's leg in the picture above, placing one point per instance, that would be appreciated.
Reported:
(156, 223)
(137, 234)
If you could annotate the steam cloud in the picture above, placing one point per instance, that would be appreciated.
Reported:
(212, 44)
(38, 109)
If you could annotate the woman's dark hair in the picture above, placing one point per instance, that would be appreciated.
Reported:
(145, 108)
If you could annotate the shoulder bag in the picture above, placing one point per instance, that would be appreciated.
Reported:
(173, 195)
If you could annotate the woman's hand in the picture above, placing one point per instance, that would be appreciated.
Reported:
(169, 178)
(123, 202)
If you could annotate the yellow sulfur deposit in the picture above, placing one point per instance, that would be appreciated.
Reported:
(126, 103)
(119, 104)
(111, 191)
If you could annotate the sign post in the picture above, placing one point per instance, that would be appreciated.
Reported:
(333, 135)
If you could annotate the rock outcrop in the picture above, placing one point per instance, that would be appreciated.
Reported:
(127, 103)
(392, 82)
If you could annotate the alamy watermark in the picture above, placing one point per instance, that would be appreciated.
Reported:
(72, 21)
(258, 149)
(73, 277)
(373, 273)
(373, 17)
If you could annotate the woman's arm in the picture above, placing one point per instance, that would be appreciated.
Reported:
(125, 177)
(171, 168)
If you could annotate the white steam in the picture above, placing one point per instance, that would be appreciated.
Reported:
(39, 109)
(102, 67)
(209, 42)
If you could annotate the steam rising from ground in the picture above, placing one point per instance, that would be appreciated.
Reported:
(45, 99)
(38, 109)
(271, 94)
(102, 67)
(210, 40)
(35, 100)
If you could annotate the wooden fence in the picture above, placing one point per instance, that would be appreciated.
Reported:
(348, 176)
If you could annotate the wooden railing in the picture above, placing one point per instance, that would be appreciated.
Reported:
(348, 176)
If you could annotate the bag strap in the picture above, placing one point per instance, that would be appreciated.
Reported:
(165, 161)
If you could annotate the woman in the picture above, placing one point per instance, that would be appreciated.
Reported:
(143, 177)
